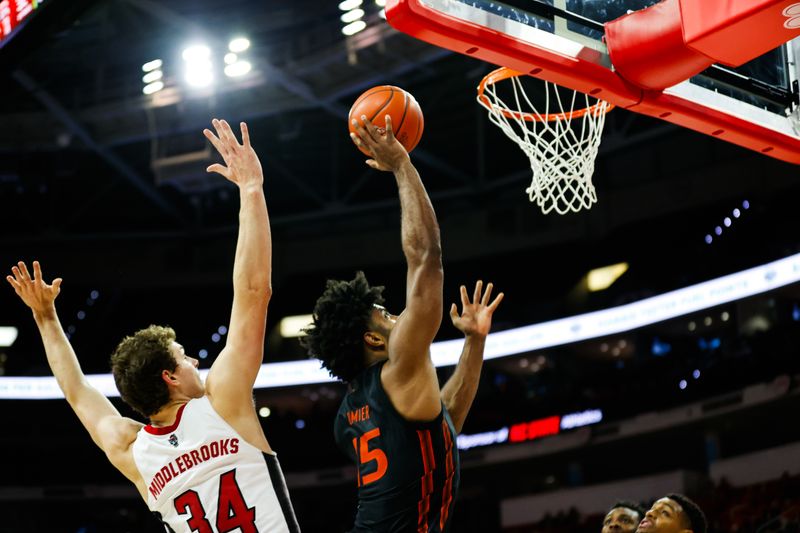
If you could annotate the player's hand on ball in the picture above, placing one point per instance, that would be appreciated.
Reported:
(387, 152)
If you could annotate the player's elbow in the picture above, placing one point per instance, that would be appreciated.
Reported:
(428, 258)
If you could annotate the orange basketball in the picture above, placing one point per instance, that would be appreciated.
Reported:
(376, 103)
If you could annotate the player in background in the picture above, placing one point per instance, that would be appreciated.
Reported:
(623, 517)
(674, 513)
(202, 463)
(395, 422)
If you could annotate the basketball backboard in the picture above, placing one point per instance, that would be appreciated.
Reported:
(565, 42)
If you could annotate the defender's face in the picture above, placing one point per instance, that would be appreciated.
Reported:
(665, 516)
(621, 520)
(186, 372)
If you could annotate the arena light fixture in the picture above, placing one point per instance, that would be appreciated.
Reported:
(601, 278)
(198, 65)
(347, 5)
(352, 15)
(152, 65)
(239, 44)
(8, 334)
(239, 68)
(154, 87)
(231, 58)
(292, 326)
(153, 75)
(354, 27)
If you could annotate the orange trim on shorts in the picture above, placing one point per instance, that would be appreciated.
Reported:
(426, 481)
(447, 491)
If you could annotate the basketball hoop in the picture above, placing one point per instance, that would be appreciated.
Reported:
(561, 153)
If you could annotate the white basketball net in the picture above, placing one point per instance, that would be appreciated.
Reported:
(561, 153)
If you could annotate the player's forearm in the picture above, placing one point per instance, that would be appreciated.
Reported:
(60, 355)
(252, 268)
(459, 391)
(419, 227)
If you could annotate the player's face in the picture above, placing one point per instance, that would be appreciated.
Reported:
(186, 372)
(382, 320)
(621, 520)
(665, 516)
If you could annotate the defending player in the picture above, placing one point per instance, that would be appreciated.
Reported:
(203, 462)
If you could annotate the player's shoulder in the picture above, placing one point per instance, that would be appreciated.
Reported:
(119, 433)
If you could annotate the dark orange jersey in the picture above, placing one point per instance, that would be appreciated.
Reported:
(408, 472)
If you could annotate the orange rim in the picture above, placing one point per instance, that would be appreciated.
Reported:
(504, 73)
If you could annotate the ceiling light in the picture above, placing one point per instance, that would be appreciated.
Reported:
(152, 76)
(240, 68)
(151, 65)
(347, 5)
(8, 334)
(601, 278)
(196, 52)
(154, 87)
(292, 326)
(352, 15)
(240, 44)
(354, 27)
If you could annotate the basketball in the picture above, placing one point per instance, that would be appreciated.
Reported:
(377, 102)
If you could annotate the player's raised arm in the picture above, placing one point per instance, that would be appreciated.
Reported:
(108, 429)
(474, 322)
(417, 325)
(231, 378)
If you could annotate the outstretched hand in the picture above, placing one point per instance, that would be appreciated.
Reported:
(387, 152)
(33, 291)
(242, 166)
(476, 315)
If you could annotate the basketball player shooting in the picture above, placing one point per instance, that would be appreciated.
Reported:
(203, 462)
(395, 423)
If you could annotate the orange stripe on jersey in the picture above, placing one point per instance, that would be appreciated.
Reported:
(358, 461)
(426, 481)
(447, 491)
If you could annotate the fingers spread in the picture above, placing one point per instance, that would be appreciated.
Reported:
(464, 297)
(23, 269)
(37, 271)
(453, 311)
(389, 131)
(476, 297)
(57, 284)
(13, 283)
(487, 294)
(369, 129)
(219, 169)
(245, 134)
(496, 302)
(213, 138)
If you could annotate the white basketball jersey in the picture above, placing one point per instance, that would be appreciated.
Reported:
(201, 476)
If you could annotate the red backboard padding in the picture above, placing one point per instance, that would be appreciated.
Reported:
(583, 74)
(735, 31)
(647, 48)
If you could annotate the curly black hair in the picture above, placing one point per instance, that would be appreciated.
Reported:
(696, 517)
(633, 506)
(341, 316)
(137, 364)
